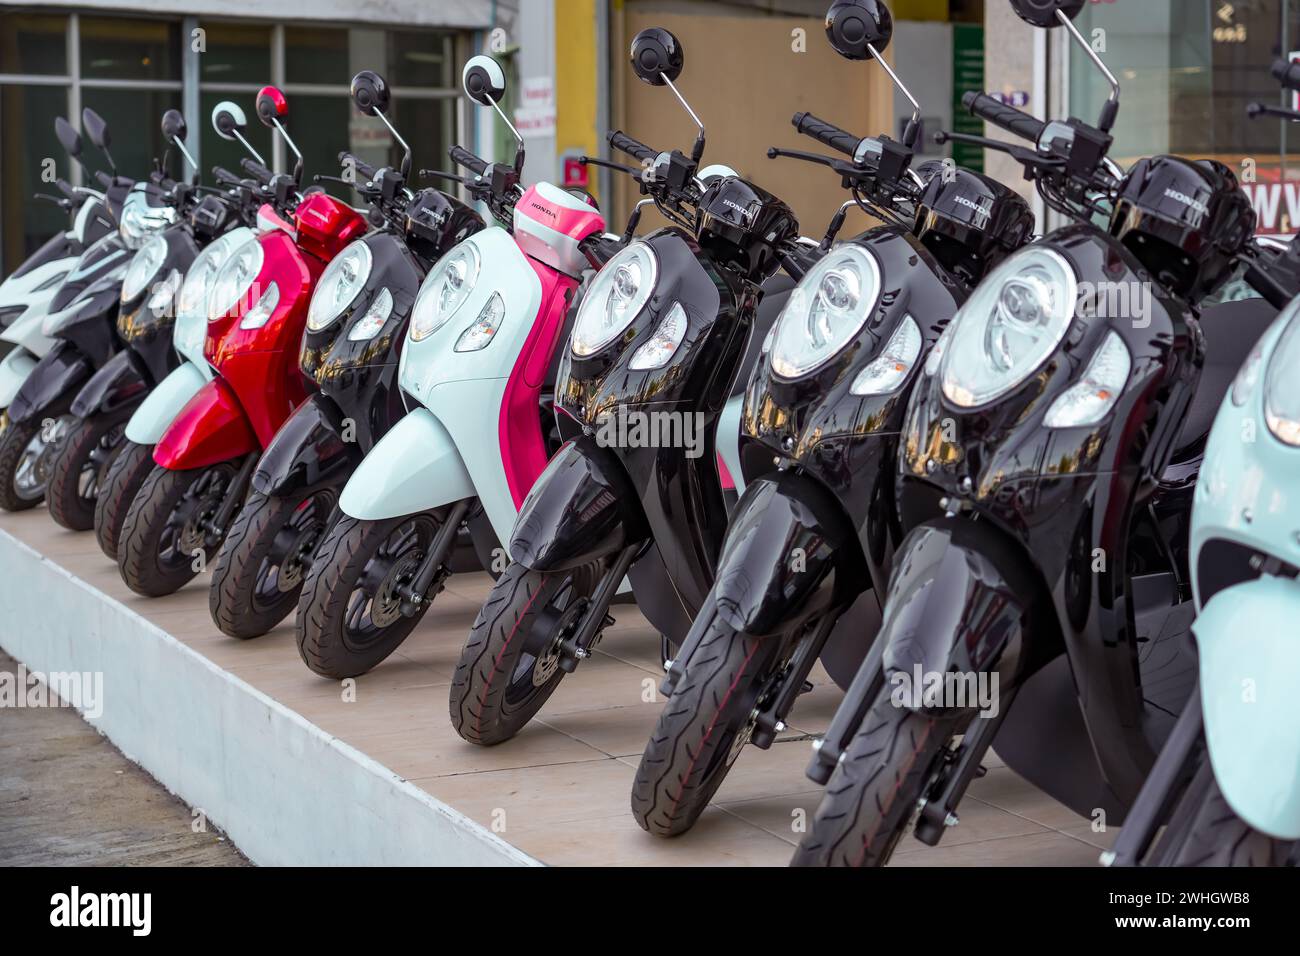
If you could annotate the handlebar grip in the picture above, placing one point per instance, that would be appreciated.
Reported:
(828, 134)
(633, 147)
(103, 178)
(1287, 73)
(223, 175)
(360, 165)
(464, 158)
(1000, 114)
(256, 170)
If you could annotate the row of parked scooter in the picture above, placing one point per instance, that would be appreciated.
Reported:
(970, 470)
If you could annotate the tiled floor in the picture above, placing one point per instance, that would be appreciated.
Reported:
(559, 791)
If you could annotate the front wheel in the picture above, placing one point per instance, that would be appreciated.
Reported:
(132, 464)
(80, 467)
(350, 613)
(702, 728)
(510, 664)
(26, 453)
(166, 537)
(259, 572)
(874, 792)
(1204, 831)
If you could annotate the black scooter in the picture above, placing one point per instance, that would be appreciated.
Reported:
(146, 315)
(1045, 473)
(661, 337)
(811, 544)
(81, 317)
(356, 325)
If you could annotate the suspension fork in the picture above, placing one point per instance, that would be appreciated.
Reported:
(432, 569)
(219, 523)
(577, 646)
(770, 720)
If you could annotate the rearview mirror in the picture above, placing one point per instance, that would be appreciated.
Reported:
(69, 138)
(656, 55)
(370, 93)
(272, 107)
(95, 127)
(228, 119)
(857, 27)
(1043, 13)
(484, 80)
(173, 126)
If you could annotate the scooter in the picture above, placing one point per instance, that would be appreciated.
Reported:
(25, 295)
(145, 316)
(659, 342)
(810, 545)
(257, 310)
(479, 348)
(1045, 472)
(133, 462)
(356, 325)
(1224, 787)
(81, 321)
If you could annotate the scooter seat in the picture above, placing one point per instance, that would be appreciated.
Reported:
(776, 291)
(1231, 331)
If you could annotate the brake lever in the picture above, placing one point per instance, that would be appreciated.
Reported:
(1255, 110)
(633, 171)
(774, 152)
(455, 178)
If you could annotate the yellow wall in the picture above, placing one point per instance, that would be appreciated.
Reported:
(576, 80)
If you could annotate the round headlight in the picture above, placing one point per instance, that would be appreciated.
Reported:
(144, 266)
(445, 289)
(1008, 327)
(1282, 386)
(339, 285)
(826, 311)
(616, 295)
(234, 279)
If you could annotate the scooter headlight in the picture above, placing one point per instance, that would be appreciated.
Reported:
(826, 310)
(235, 279)
(444, 291)
(617, 294)
(1008, 327)
(340, 283)
(144, 266)
(1282, 386)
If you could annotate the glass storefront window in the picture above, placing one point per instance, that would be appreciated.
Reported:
(421, 59)
(27, 150)
(135, 128)
(316, 55)
(126, 48)
(1188, 68)
(235, 53)
(33, 43)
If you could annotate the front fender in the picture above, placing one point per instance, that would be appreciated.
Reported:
(116, 386)
(415, 467)
(1250, 693)
(51, 384)
(14, 369)
(962, 598)
(583, 507)
(161, 406)
(308, 451)
(210, 429)
(778, 562)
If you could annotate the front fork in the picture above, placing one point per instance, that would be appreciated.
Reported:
(217, 524)
(432, 571)
(577, 645)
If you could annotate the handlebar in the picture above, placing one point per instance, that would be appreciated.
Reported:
(463, 157)
(256, 170)
(828, 134)
(1007, 117)
(1287, 73)
(634, 148)
(224, 176)
(360, 165)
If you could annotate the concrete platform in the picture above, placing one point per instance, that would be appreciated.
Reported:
(298, 770)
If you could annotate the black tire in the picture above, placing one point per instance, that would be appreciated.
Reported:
(80, 466)
(261, 566)
(1204, 831)
(873, 793)
(509, 666)
(349, 616)
(126, 473)
(702, 728)
(17, 494)
(162, 533)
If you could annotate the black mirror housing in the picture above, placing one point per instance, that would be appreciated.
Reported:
(657, 54)
(1043, 13)
(370, 93)
(95, 127)
(856, 27)
(174, 128)
(69, 138)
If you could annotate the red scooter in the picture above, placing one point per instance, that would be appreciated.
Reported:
(257, 310)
